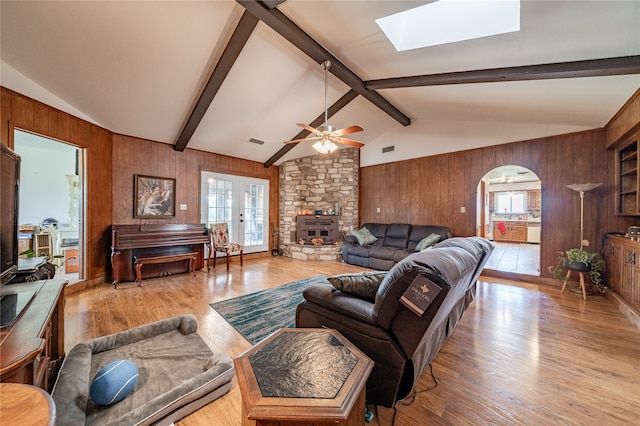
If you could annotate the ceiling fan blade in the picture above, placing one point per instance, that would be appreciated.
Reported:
(350, 142)
(309, 128)
(314, 138)
(348, 130)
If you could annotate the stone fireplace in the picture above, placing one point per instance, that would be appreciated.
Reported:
(323, 182)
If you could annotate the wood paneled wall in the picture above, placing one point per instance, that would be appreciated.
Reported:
(32, 116)
(625, 123)
(112, 160)
(431, 190)
(133, 156)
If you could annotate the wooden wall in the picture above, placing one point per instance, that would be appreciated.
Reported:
(27, 114)
(431, 190)
(112, 160)
(625, 123)
(133, 156)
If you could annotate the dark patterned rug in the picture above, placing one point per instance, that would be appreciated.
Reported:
(257, 315)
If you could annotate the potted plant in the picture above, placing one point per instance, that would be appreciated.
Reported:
(580, 260)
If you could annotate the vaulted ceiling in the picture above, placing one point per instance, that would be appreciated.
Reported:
(211, 75)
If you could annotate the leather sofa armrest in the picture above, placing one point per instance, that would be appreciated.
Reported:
(341, 303)
(351, 239)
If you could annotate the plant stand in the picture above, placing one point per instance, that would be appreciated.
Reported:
(582, 286)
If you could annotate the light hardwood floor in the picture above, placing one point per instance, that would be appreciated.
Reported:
(522, 354)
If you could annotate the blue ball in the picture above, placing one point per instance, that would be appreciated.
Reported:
(114, 382)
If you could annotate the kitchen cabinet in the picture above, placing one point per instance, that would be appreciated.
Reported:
(627, 160)
(514, 232)
(622, 269)
(533, 200)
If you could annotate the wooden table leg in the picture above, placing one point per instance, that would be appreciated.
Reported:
(138, 273)
(566, 280)
(582, 286)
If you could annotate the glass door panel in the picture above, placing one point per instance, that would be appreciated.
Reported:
(243, 203)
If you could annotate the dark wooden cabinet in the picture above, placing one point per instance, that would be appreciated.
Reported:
(32, 347)
(622, 274)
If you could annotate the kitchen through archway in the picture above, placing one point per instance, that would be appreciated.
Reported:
(510, 215)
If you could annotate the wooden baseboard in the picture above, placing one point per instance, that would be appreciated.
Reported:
(624, 307)
(512, 276)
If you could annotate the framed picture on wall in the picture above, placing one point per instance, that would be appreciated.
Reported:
(154, 197)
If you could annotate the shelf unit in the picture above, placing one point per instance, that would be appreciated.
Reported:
(627, 180)
(42, 245)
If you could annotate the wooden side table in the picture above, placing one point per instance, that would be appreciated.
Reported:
(26, 405)
(303, 376)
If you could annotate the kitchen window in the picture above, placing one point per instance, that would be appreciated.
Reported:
(510, 202)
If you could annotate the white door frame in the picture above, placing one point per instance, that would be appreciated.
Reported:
(236, 212)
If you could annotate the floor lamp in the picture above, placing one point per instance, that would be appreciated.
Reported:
(581, 189)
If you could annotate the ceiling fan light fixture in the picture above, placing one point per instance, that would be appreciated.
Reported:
(327, 136)
(325, 146)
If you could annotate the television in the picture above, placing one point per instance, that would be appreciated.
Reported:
(9, 195)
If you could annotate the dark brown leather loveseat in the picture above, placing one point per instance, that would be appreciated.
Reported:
(395, 241)
(400, 342)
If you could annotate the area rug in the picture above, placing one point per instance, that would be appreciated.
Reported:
(257, 315)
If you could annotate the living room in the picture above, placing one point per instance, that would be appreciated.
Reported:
(424, 190)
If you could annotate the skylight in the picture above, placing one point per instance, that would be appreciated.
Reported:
(448, 21)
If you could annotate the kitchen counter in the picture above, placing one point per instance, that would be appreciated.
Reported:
(495, 220)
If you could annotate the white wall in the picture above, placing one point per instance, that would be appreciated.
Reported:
(44, 188)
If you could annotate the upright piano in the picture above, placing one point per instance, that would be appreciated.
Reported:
(131, 241)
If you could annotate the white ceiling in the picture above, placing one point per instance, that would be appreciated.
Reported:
(137, 68)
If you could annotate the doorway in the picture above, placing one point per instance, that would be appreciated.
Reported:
(243, 203)
(510, 215)
(51, 202)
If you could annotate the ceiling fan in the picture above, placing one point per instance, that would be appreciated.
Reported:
(327, 136)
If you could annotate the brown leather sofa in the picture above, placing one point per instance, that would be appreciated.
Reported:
(395, 241)
(401, 343)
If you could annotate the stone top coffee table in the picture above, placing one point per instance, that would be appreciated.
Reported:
(303, 375)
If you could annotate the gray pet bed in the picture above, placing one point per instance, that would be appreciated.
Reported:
(178, 374)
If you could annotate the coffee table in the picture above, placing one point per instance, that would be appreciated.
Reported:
(304, 375)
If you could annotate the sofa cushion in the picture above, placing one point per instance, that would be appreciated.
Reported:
(363, 284)
(377, 229)
(382, 252)
(419, 232)
(364, 236)
(397, 235)
(428, 241)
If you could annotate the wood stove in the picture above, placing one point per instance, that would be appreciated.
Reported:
(325, 227)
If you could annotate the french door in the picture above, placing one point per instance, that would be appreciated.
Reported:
(243, 203)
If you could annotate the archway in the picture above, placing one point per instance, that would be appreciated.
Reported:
(510, 215)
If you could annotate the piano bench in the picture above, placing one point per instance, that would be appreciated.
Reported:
(139, 261)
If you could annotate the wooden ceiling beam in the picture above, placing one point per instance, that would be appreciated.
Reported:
(337, 106)
(284, 26)
(271, 4)
(589, 68)
(241, 34)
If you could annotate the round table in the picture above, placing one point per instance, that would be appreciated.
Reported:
(26, 405)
